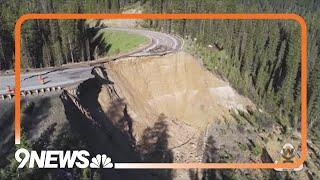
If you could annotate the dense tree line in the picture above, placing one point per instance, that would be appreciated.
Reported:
(260, 58)
(50, 42)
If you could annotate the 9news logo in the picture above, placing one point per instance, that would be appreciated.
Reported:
(61, 159)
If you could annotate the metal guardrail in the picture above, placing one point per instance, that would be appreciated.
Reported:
(31, 92)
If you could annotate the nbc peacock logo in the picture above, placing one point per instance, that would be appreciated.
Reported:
(101, 161)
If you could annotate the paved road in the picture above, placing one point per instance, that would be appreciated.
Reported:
(161, 44)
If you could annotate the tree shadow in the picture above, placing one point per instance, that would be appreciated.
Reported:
(44, 139)
(111, 131)
(98, 45)
(34, 112)
(211, 155)
(7, 41)
(153, 147)
(118, 113)
(6, 132)
(97, 140)
(194, 174)
(101, 135)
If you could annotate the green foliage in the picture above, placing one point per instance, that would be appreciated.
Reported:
(10, 171)
(243, 147)
(85, 174)
(96, 176)
(47, 43)
(261, 59)
(256, 150)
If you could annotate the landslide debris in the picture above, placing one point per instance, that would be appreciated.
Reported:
(153, 109)
(176, 89)
(180, 112)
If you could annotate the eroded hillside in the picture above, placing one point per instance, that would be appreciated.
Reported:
(177, 110)
(177, 86)
(155, 109)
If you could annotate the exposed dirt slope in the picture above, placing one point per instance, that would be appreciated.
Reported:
(177, 86)
(174, 85)
(153, 109)
(176, 106)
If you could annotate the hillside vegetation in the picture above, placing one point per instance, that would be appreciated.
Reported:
(261, 59)
(48, 43)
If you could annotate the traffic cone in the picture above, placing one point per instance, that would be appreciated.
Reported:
(8, 89)
(41, 80)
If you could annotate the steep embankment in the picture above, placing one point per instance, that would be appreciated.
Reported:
(180, 112)
(152, 109)
(177, 87)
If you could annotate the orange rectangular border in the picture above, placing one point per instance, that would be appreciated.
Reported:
(294, 17)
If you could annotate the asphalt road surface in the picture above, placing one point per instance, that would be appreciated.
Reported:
(161, 43)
